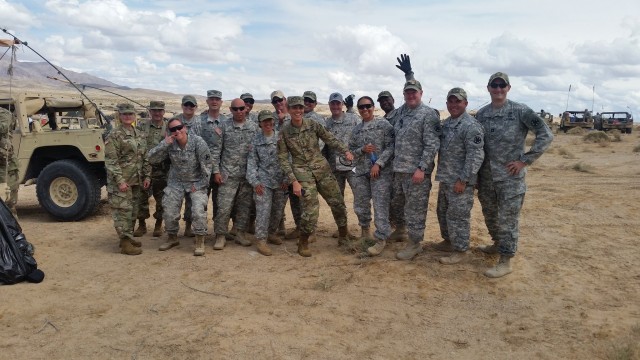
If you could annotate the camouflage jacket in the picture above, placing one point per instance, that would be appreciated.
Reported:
(461, 150)
(505, 131)
(253, 117)
(312, 115)
(378, 132)
(190, 166)
(417, 139)
(340, 128)
(193, 124)
(125, 158)
(263, 166)
(287, 119)
(210, 130)
(8, 159)
(302, 143)
(393, 115)
(230, 155)
(154, 135)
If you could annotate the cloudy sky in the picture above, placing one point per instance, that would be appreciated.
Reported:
(348, 46)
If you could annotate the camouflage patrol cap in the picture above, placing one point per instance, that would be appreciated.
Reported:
(156, 105)
(499, 75)
(214, 93)
(189, 98)
(310, 94)
(336, 97)
(265, 115)
(384, 93)
(277, 94)
(295, 100)
(412, 84)
(246, 96)
(459, 93)
(126, 108)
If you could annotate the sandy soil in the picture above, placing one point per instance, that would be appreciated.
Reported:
(573, 295)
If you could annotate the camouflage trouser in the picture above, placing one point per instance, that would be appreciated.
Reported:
(157, 190)
(501, 203)
(124, 209)
(416, 202)
(269, 210)
(396, 207)
(234, 190)
(365, 190)
(172, 202)
(343, 177)
(327, 187)
(454, 213)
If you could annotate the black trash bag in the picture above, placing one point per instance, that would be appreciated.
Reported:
(16, 253)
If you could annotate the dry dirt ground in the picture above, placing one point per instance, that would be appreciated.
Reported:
(573, 295)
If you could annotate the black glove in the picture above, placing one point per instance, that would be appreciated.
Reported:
(348, 101)
(405, 63)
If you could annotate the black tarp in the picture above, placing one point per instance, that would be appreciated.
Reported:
(16, 253)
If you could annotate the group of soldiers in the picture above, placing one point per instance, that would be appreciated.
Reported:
(252, 164)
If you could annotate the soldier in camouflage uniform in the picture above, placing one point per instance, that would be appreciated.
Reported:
(459, 159)
(417, 135)
(501, 184)
(154, 131)
(248, 104)
(280, 109)
(189, 175)
(8, 159)
(128, 172)
(230, 170)
(269, 183)
(372, 142)
(307, 170)
(210, 122)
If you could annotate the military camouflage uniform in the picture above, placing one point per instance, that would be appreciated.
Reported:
(126, 162)
(417, 139)
(230, 161)
(341, 128)
(252, 117)
(365, 189)
(193, 128)
(190, 168)
(501, 194)
(154, 135)
(278, 126)
(460, 157)
(210, 132)
(8, 159)
(312, 115)
(263, 168)
(311, 170)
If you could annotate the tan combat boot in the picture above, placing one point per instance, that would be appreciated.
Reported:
(303, 245)
(220, 242)
(262, 247)
(501, 269)
(399, 234)
(142, 228)
(343, 236)
(128, 249)
(409, 252)
(157, 229)
(199, 251)
(294, 234)
(454, 258)
(444, 245)
(172, 240)
(274, 239)
(187, 229)
(365, 234)
(376, 249)
(240, 239)
(489, 249)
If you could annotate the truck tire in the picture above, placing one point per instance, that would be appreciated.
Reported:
(68, 190)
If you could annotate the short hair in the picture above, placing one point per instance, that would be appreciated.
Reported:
(365, 97)
(175, 118)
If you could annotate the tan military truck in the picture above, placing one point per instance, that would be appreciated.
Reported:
(572, 119)
(610, 120)
(63, 154)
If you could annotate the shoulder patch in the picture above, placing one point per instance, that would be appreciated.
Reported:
(477, 139)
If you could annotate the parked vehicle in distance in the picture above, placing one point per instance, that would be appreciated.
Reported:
(609, 120)
(572, 119)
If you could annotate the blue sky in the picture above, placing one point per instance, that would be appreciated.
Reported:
(346, 46)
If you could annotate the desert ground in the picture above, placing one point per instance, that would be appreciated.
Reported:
(573, 293)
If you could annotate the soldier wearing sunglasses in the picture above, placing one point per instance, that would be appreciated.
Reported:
(501, 184)
(248, 104)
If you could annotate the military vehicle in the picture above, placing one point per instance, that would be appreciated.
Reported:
(547, 117)
(609, 120)
(572, 119)
(64, 157)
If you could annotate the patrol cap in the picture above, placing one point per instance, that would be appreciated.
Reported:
(459, 93)
(412, 84)
(126, 108)
(336, 97)
(384, 93)
(246, 96)
(189, 98)
(310, 94)
(214, 93)
(295, 100)
(156, 105)
(265, 115)
(499, 75)
(277, 94)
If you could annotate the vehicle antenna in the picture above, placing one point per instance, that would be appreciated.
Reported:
(97, 88)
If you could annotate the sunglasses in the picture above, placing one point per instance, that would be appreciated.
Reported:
(277, 100)
(495, 86)
(249, 101)
(309, 100)
(365, 106)
(191, 105)
(239, 108)
(176, 128)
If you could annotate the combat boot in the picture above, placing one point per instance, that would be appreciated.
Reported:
(157, 229)
(489, 249)
(142, 228)
(128, 249)
(231, 235)
(444, 245)
(343, 236)
(274, 239)
(365, 234)
(135, 243)
(199, 251)
(399, 234)
(241, 240)
(187, 229)
(501, 269)
(294, 234)
(303, 245)
(312, 238)
(409, 252)
(220, 242)
(454, 258)
(172, 240)
(262, 247)
(376, 249)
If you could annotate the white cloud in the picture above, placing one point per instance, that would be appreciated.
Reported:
(15, 16)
